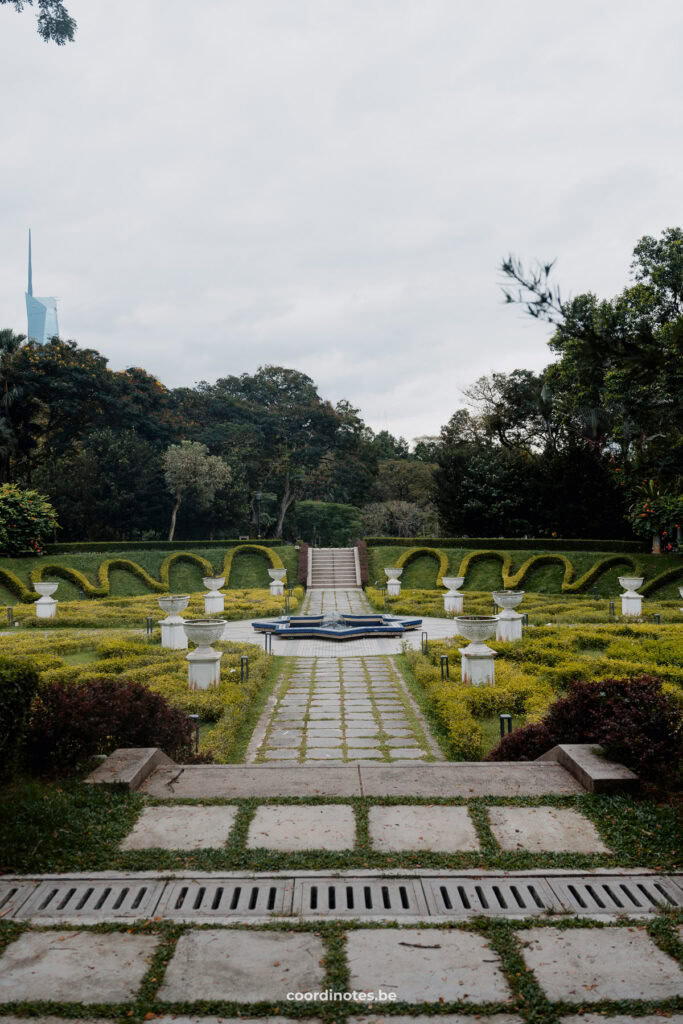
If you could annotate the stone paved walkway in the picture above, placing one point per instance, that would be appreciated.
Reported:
(341, 710)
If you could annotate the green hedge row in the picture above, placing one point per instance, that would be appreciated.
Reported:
(510, 543)
(149, 545)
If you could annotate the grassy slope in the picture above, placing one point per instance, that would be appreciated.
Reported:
(249, 570)
(546, 579)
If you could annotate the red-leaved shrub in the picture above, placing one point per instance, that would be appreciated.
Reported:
(71, 722)
(631, 719)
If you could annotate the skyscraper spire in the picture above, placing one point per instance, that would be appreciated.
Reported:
(30, 270)
(41, 312)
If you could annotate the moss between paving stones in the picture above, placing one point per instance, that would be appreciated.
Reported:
(74, 827)
(503, 936)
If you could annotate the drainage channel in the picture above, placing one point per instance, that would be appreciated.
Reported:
(222, 898)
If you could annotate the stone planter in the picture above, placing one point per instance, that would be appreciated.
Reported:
(172, 632)
(509, 625)
(277, 587)
(214, 600)
(631, 603)
(393, 582)
(452, 601)
(204, 664)
(477, 667)
(46, 606)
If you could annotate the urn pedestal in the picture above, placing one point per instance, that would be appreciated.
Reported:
(173, 634)
(277, 587)
(393, 582)
(477, 666)
(214, 600)
(631, 603)
(452, 601)
(46, 606)
(509, 622)
(203, 663)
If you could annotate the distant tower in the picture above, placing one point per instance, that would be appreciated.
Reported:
(41, 313)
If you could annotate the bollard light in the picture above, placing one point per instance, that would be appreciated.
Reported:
(525, 618)
(494, 608)
(195, 720)
(503, 720)
(244, 668)
(10, 616)
(149, 625)
(444, 667)
(425, 643)
(595, 591)
(611, 609)
(81, 594)
(657, 619)
(268, 642)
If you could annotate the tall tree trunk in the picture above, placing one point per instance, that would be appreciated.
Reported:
(656, 544)
(286, 501)
(173, 516)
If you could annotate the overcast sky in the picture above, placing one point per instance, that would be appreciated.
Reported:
(331, 184)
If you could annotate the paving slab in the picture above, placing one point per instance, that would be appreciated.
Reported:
(180, 828)
(242, 966)
(545, 830)
(197, 781)
(426, 965)
(451, 1018)
(473, 778)
(599, 1018)
(301, 827)
(422, 827)
(74, 967)
(579, 965)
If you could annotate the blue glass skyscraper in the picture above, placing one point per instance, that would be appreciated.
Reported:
(41, 313)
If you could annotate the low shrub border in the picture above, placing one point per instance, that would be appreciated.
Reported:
(147, 545)
(511, 543)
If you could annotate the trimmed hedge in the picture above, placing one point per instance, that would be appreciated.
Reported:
(302, 573)
(102, 588)
(440, 556)
(363, 562)
(147, 545)
(18, 685)
(512, 543)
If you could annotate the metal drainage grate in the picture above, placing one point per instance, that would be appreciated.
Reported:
(614, 894)
(356, 897)
(12, 895)
(500, 897)
(223, 897)
(102, 900)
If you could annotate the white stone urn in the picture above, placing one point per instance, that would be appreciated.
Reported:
(277, 587)
(393, 582)
(172, 633)
(509, 625)
(204, 664)
(46, 606)
(477, 667)
(214, 600)
(452, 601)
(631, 603)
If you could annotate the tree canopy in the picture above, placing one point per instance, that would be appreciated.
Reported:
(55, 24)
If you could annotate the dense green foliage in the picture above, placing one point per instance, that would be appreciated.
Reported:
(27, 519)
(327, 524)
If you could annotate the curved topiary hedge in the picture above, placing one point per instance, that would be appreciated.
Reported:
(102, 587)
(512, 580)
(271, 556)
(440, 556)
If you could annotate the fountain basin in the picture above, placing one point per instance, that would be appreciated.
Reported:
(338, 627)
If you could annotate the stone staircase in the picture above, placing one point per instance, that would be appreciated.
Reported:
(333, 569)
